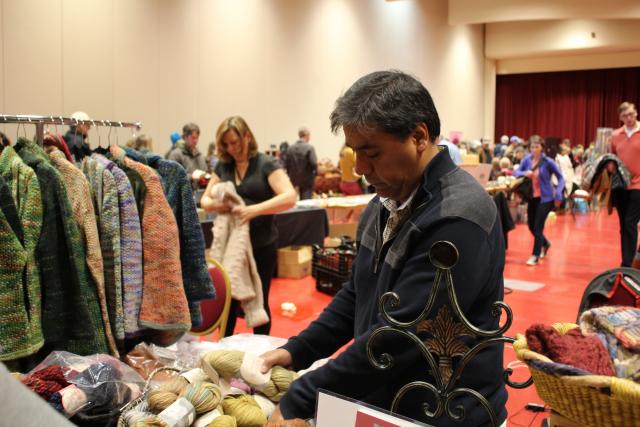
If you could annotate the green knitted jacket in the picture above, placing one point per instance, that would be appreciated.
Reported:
(71, 317)
(21, 331)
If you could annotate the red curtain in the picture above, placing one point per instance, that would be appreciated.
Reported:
(568, 104)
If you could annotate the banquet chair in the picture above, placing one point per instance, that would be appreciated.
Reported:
(578, 195)
(215, 312)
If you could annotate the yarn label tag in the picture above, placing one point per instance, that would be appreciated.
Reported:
(250, 371)
(206, 419)
(195, 376)
(210, 372)
(180, 413)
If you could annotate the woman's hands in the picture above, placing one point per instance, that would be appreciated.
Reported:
(245, 213)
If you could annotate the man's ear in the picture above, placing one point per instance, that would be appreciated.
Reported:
(421, 136)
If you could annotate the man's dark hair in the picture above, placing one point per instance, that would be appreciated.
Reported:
(388, 101)
(190, 128)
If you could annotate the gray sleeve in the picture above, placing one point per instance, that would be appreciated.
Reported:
(22, 407)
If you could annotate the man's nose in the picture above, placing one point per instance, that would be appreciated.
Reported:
(363, 166)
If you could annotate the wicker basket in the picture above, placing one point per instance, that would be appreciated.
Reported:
(143, 395)
(592, 400)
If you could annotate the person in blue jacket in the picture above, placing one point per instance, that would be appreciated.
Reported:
(539, 168)
(390, 121)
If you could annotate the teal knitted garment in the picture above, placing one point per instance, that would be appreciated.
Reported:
(20, 225)
(71, 318)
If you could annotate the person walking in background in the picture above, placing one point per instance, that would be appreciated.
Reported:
(485, 153)
(349, 180)
(454, 152)
(188, 155)
(141, 143)
(501, 147)
(174, 137)
(76, 137)
(265, 189)
(539, 168)
(302, 164)
(625, 143)
(211, 159)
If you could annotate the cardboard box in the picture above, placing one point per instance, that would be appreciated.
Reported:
(339, 230)
(294, 262)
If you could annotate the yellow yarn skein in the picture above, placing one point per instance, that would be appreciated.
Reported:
(160, 399)
(281, 379)
(224, 421)
(143, 419)
(245, 410)
(203, 396)
(226, 362)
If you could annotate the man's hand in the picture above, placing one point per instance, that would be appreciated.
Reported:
(245, 213)
(528, 174)
(277, 415)
(279, 356)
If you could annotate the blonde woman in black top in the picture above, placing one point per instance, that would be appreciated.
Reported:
(265, 188)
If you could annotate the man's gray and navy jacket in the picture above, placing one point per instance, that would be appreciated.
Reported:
(449, 205)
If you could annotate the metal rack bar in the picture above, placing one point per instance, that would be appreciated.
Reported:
(40, 121)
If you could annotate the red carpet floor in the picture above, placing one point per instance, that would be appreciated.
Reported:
(581, 248)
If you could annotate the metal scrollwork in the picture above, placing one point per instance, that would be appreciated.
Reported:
(445, 352)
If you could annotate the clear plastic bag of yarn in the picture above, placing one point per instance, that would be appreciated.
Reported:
(90, 388)
(189, 349)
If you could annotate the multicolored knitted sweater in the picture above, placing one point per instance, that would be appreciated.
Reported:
(21, 332)
(130, 246)
(105, 201)
(71, 317)
(618, 328)
(195, 274)
(164, 303)
(79, 193)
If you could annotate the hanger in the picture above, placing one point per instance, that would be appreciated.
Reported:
(100, 150)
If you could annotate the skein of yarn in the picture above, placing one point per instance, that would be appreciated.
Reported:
(232, 363)
(296, 422)
(138, 418)
(224, 421)
(245, 410)
(161, 398)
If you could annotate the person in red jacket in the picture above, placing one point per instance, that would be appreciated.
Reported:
(625, 143)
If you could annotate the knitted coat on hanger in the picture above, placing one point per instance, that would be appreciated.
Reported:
(137, 183)
(232, 248)
(105, 202)
(164, 303)
(130, 246)
(71, 317)
(79, 193)
(20, 225)
(179, 193)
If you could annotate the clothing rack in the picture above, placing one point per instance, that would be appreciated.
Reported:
(40, 121)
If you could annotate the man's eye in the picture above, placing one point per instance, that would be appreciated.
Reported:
(372, 155)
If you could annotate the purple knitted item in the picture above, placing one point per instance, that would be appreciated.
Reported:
(130, 246)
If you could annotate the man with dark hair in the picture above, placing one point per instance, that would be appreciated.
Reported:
(390, 121)
(625, 143)
(188, 154)
(301, 164)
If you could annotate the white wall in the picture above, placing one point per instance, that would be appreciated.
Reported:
(278, 63)
(485, 11)
(560, 37)
(568, 62)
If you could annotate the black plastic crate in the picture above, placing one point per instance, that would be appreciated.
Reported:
(331, 267)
